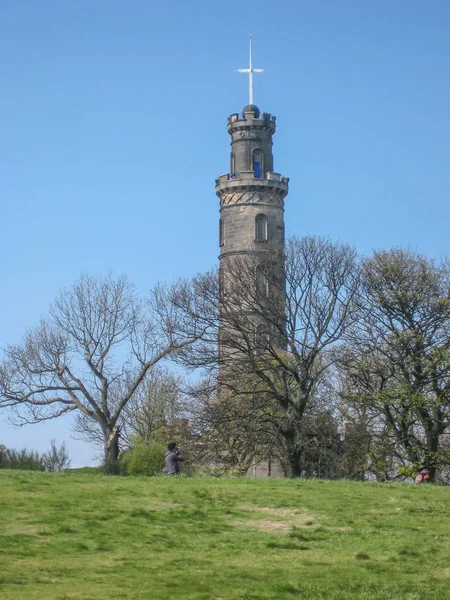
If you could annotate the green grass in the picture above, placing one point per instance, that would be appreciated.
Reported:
(91, 537)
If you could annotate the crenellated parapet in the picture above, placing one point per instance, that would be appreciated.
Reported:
(251, 119)
(272, 189)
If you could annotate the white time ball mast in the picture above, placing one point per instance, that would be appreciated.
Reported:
(250, 72)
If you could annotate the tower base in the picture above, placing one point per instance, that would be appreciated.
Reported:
(270, 467)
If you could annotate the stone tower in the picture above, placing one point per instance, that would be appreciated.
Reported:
(252, 195)
(251, 230)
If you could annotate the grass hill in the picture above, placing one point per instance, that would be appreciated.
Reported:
(85, 536)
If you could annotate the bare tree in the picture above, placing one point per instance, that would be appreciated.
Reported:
(230, 432)
(279, 351)
(154, 407)
(397, 365)
(91, 356)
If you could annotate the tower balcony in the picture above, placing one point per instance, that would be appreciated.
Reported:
(247, 180)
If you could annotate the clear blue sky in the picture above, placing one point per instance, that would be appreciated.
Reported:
(113, 129)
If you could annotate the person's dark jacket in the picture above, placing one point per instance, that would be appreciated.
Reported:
(171, 460)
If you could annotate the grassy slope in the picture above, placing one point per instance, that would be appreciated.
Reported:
(86, 536)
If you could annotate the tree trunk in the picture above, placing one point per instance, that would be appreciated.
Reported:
(432, 452)
(111, 450)
(293, 455)
(293, 467)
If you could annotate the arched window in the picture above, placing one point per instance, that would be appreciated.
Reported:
(261, 228)
(232, 165)
(262, 282)
(261, 340)
(257, 163)
(220, 232)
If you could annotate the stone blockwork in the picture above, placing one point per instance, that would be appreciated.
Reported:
(239, 223)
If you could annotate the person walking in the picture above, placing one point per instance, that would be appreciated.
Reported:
(172, 458)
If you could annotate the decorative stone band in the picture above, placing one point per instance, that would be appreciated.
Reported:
(246, 252)
(272, 197)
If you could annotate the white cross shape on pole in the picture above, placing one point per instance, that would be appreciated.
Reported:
(250, 72)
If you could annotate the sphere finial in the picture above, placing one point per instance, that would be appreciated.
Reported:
(251, 108)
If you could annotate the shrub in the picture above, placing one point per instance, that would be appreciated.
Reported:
(56, 459)
(25, 460)
(143, 459)
(4, 457)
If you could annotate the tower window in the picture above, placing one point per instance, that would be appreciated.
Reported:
(261, 228)
(220, 232)
(257, 163)
(262, 282)
(262, 340)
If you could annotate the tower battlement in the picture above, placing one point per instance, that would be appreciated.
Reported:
(251, 118)
(269, 176)
(272, 185)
